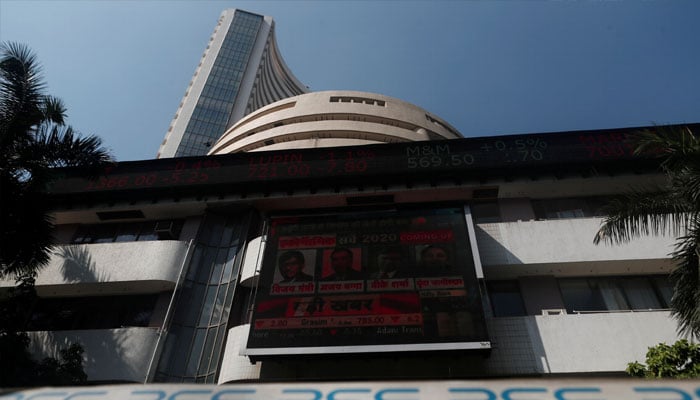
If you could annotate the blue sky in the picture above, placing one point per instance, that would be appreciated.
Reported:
(488, 68)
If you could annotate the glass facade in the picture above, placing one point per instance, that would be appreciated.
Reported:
(210, 116)
(199, 324)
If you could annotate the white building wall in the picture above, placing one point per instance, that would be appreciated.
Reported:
(110, 354)
(235, 367)
(253, 254)
(147, 266)
(575, 343)
(562, 241)
(535, 252)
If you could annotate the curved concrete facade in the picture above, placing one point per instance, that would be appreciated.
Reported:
(251, 261)
(333, 118)
(234, 366)
(274, 80)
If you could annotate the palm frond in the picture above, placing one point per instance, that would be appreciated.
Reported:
(54, 110)
(639, 214)
(685, 302)
(675, 211)
(32, 141)
(672, 143)
(26, 228)
(686, 183)
(20, 70)
(21, 86)
(59, 146)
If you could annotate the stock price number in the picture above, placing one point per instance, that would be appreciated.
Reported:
(374, 320)
(267, 171)
(189, 172)
(147, 180)
(607, 145)
(114, 182)
(443, 160)
(352, 161)
(518, 150)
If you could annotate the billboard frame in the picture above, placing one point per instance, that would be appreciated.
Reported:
(258, 353)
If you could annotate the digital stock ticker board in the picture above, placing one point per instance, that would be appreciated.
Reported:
(459, 157)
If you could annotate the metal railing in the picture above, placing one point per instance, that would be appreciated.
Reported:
(619, 311)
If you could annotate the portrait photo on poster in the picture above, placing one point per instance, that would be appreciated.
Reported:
(295, 266)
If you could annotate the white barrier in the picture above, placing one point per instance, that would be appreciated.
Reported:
(510, 389)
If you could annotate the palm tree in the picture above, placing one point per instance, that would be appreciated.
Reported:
(33, 139)
(673, 210)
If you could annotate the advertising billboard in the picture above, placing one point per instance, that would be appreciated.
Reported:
(367, 282)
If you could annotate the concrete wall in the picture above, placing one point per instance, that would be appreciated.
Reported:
(250, 262)
(575, 343)
(110, 354)
(147, 266)
(559, 241)
(235, 367)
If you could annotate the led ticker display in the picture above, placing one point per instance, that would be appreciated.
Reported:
(458, 155)
(402, 278)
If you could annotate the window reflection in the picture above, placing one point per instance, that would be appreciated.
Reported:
(615, 293)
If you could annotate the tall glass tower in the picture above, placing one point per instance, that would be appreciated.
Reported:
(240, 71)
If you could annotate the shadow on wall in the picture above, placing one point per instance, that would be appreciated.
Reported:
(107, 354)
(517, 347)
(491, 251)
(78, 265)
(110, 354)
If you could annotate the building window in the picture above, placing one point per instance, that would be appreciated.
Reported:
(569, 208)
(664, 288)
(506, 299)
(98, 312)
(615, 293)
(128, 232)
(359, 100)
(484, 213)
